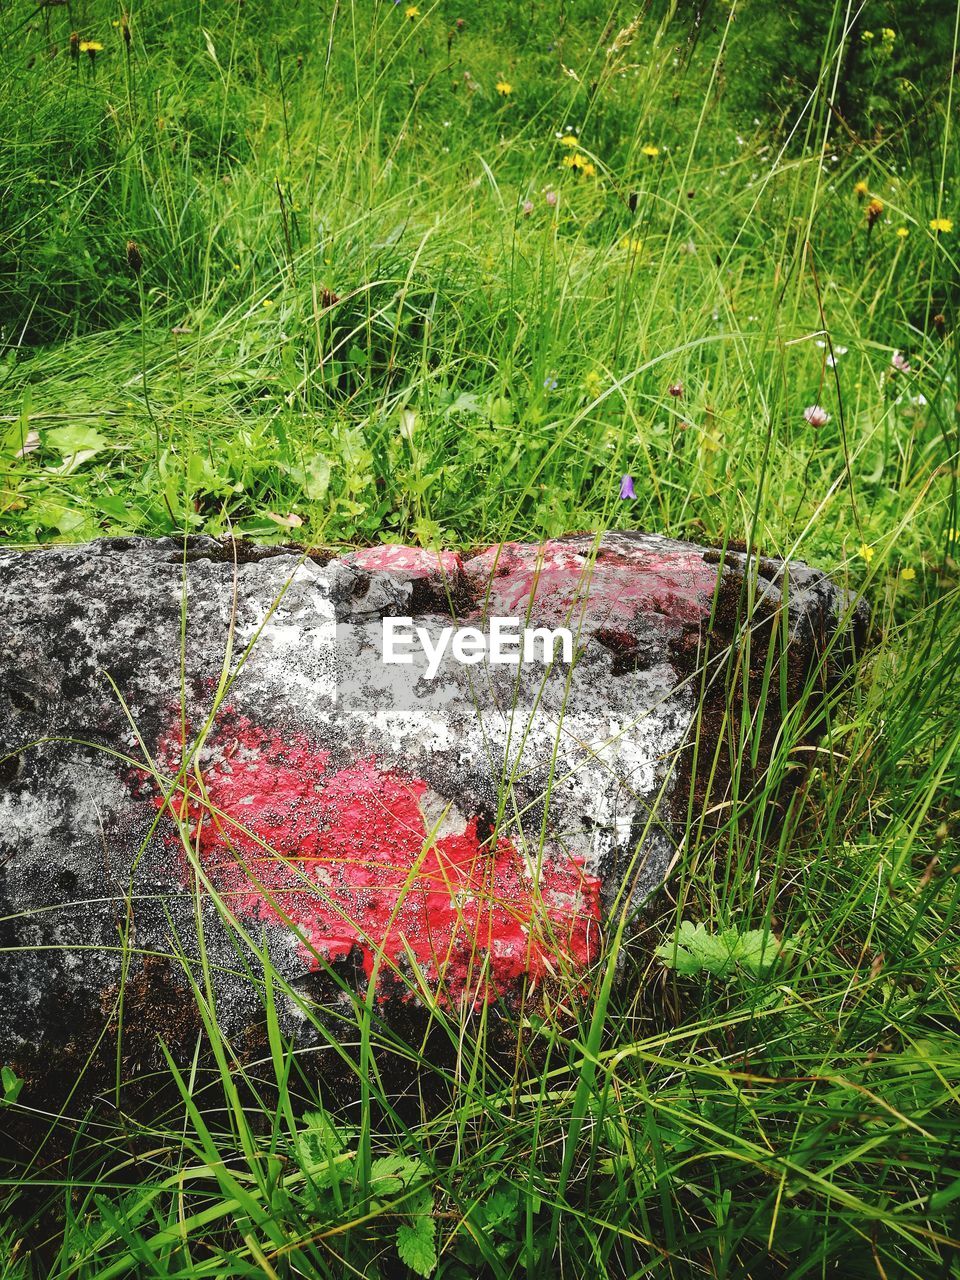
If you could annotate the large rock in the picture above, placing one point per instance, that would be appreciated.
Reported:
(204, 744)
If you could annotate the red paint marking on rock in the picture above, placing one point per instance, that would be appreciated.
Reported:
(345, 856)
(408, 562)
(565, 583)
(563, 580)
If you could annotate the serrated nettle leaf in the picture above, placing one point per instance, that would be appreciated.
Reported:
(697, 951)
(416, 1244)
(500, 1206)
(322, 1134)
(398, 1167)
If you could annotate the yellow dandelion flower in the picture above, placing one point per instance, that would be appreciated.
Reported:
(650, 150)
(908, 574)
(631, 244)
(866, 553)
(569, 140)
(941, 224)
(504, 88)
(860, 189)
(411, 11)
(580, 163)
(903, 232)
(91, 46)
(267, 302)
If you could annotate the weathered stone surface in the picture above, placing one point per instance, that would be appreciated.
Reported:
(184, 738)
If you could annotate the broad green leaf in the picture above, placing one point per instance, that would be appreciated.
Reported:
(75, 439)
(697, 951)
(416, 1244)
(12, 1084)
(317, 479)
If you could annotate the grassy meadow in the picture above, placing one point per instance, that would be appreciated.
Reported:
(348, 272)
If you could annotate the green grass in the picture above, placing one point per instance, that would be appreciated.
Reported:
(330, 207)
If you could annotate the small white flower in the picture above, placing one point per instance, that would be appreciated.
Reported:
(816, 415)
